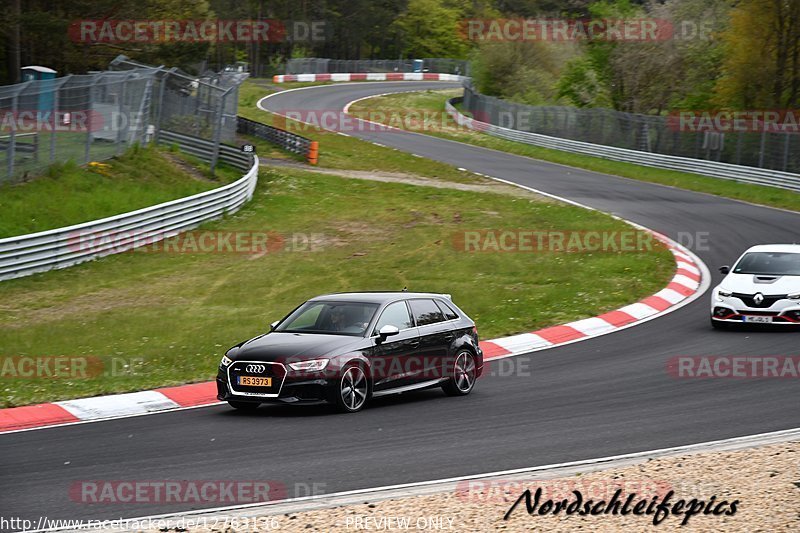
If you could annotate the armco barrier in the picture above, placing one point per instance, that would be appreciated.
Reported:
(61, 248)
(281, 138)
(204, 150)
(758, 176)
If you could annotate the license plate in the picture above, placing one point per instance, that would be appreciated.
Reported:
(758, 319)
(253, 381)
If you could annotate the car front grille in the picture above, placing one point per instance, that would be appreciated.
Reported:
(275, 371)
(749, 299)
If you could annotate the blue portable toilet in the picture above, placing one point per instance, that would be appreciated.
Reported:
(417, 65)
(44, 74)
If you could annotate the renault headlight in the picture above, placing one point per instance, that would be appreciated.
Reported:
(723, 293)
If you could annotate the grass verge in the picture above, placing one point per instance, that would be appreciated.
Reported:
(434, 101)
(170, 316)
(70, 194)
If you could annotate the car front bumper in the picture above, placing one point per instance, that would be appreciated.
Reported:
(734, 310)
(306, 391)
(287, 386)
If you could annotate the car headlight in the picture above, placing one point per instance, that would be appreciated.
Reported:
(723, 293)
(310, 366)
(226, 361)
(794, 296)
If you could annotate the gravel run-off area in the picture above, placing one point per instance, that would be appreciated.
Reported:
(763, 481)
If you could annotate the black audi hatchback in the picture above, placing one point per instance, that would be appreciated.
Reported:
(348, 348)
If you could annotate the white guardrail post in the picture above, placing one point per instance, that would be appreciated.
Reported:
(64, 247)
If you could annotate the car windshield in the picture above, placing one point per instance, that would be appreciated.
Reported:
(769, 264)
(332, 318)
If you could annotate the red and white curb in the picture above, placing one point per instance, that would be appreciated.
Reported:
(687, 283)
(107, 407)
(368, 76)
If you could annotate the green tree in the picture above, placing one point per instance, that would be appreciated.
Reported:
(761, 67)
(432, 28)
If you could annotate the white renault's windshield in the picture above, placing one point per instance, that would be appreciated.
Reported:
(769, 264)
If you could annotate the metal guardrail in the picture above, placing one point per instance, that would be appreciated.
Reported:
(283, 139)
(204, 150)
(64, 247)
(687, 134)
(754, 175)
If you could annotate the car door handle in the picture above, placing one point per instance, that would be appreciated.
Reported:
(414, 343)
(449, 336)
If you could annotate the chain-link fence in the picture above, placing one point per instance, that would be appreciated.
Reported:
(313, 65)
(201, 106)
(647, 133)
(96, 116)
(81, 118)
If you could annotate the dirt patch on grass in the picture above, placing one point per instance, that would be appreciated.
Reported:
(27, 311)
(485, 185)
(185, 167)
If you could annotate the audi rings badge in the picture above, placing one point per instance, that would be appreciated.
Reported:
(255, 369)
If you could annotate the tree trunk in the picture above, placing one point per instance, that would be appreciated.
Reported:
(13, 50)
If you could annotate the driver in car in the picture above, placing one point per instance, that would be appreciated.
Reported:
(341, 321)
(338, 319)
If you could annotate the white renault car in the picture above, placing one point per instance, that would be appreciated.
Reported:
(763, 287)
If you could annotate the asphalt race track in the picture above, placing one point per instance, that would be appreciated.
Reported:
(605, 396)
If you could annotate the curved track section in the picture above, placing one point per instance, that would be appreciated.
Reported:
(606, 396)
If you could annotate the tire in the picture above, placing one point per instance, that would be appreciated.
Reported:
(352, 390)
(244, 406)
(463, 374)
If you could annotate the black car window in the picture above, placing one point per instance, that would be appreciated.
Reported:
(308, 316)
(769, 264)
(449, 314)
(426, 312)
(336, 318)
(396, 315)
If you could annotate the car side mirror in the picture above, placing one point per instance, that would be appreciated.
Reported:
(386, 331)
(724, 269)
(274, 325)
